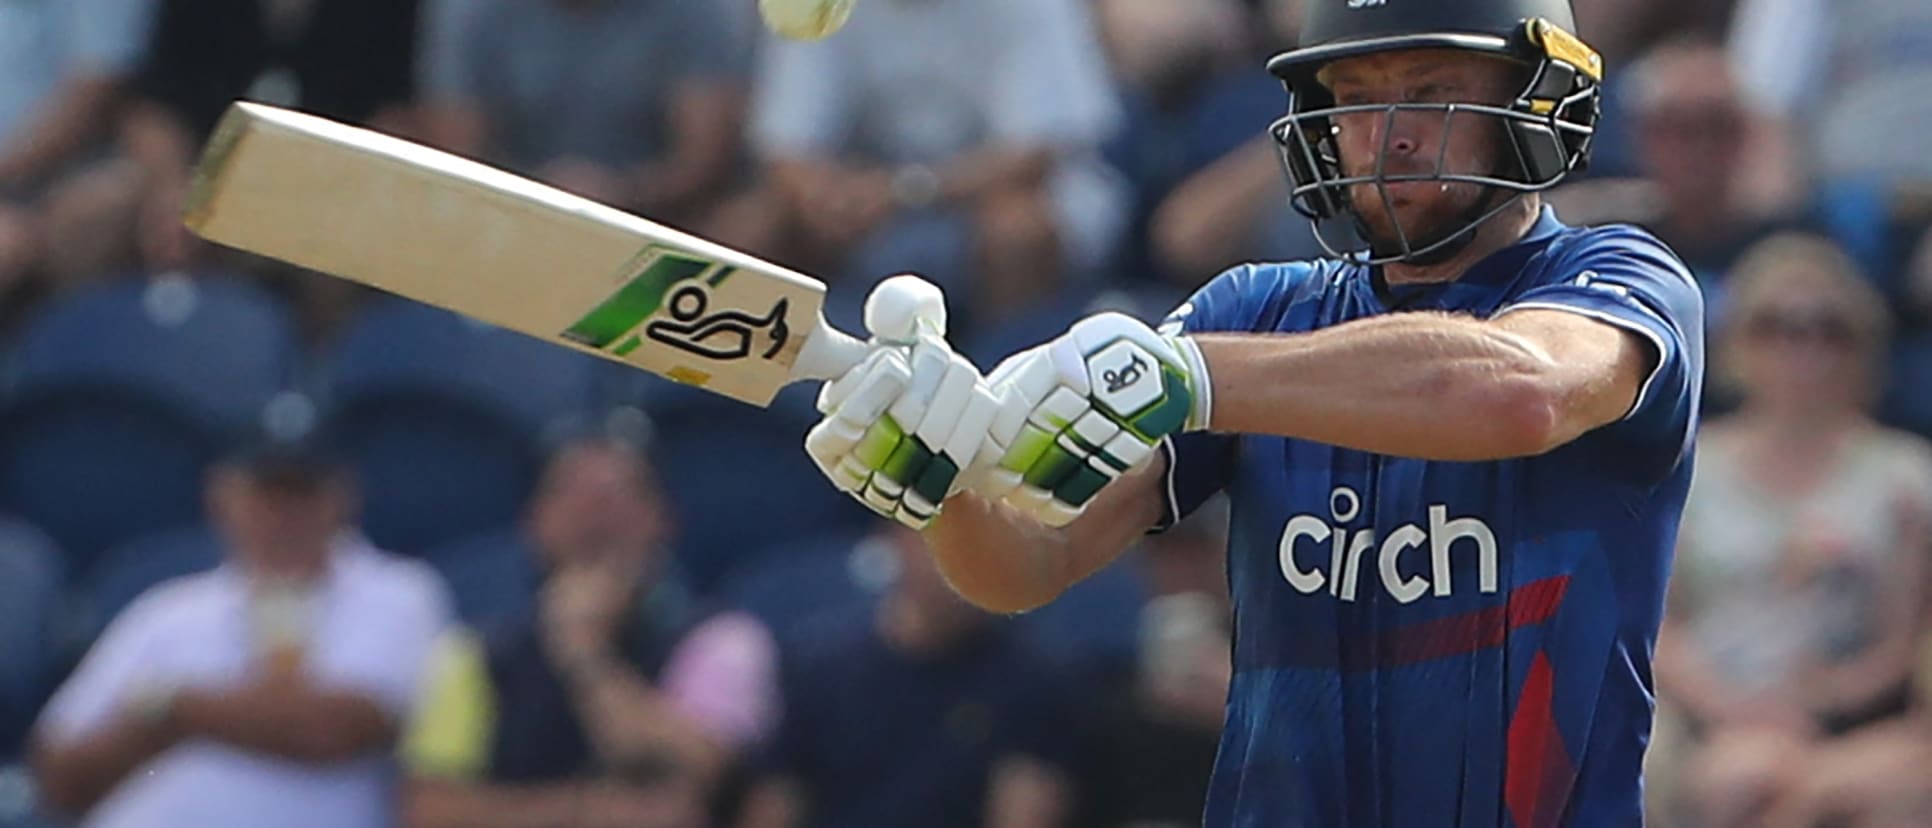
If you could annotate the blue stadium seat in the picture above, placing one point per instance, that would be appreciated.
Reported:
(493, 576)
(432, 468)
(802, 580)
(134, 567)
(94, 467)
(709, 452)
(31, 576)
(219, 348)
(1907, 401)
(401, 344)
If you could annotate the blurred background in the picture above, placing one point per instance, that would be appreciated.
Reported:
(605, 600)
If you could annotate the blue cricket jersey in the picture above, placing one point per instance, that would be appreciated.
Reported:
(1449, 644)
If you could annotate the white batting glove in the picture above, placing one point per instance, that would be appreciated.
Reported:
(901, 427)
(1091, 406)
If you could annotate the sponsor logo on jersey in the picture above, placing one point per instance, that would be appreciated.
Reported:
(1329, 554)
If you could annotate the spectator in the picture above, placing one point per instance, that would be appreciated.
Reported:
(895, 143)
(1623, 29)
(1234, 206)
(266, 692)
(1192, 95)
(1693, 137)
(1795, 600)
(620, 702)
(1852, 73)
(657, 131)
(924, 711)
(350, 60)
(64, 68)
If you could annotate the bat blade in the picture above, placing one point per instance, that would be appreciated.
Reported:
(437, 228)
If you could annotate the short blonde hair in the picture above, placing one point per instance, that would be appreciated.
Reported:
(1771, 267)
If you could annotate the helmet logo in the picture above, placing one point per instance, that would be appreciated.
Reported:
(1363, 4)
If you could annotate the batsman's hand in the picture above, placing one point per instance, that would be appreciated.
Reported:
(1093, 405)
(901, 427)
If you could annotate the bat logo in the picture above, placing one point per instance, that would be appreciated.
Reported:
(725, 336)
(1123, 378)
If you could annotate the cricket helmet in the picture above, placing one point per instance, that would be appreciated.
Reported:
(1548, 124)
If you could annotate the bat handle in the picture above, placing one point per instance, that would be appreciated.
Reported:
(828, 354)
(898, 311)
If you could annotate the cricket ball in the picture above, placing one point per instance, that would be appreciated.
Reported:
(805, 19)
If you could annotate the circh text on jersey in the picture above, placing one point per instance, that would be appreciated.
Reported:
(1325, 554)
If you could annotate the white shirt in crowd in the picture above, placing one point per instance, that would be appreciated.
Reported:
(375, 617)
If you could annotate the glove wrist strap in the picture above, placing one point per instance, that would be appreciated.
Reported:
(1201, 416)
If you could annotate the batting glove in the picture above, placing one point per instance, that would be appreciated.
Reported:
(1091, 406)
(900, 428)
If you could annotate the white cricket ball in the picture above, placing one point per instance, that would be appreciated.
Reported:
(805, 19)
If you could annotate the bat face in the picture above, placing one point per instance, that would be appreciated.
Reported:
(447, 231)
(689, 318)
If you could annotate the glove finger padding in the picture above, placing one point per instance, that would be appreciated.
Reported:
(855, 427)
(901, 433)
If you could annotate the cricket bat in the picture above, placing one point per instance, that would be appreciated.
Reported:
(448, 231)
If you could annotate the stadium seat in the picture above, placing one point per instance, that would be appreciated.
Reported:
(132, 568)
(217, 347)
(432, 468)
(94, 467)
(400, 344)
(492, 576)
(1907, 401)
(31, 576)
(710, 451)
(800, 581)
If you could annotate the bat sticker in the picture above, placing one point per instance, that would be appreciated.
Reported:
(727, 335)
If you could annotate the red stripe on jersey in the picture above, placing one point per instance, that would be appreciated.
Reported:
(1538, 772)
(1527, 605)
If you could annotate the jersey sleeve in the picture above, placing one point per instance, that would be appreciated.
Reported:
(1627, 279)
(1200, 464)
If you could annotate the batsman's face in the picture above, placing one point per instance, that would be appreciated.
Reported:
(1418, 141)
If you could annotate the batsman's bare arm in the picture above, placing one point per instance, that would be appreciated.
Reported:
(1432, 386)
(1005, 561)
(1419, 385)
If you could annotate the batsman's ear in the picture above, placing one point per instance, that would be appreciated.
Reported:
(904, 307)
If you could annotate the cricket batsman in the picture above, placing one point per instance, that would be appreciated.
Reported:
(1456, 456)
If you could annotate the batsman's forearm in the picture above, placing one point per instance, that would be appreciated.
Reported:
(1004, 561)
(994, 557)
(1431, 386)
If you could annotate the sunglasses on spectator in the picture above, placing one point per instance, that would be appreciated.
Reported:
(1821, 327)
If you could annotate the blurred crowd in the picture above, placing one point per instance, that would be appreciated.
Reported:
(281, 550)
